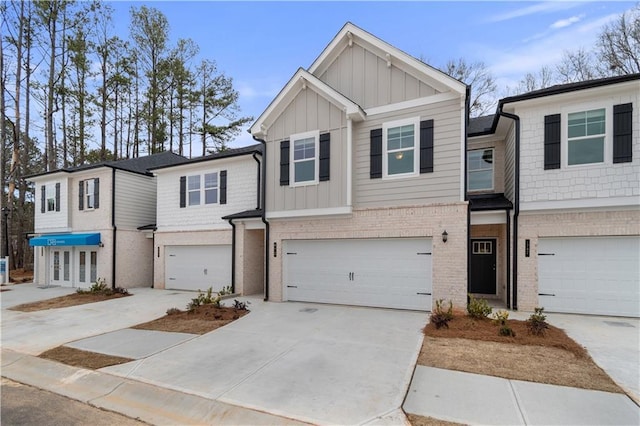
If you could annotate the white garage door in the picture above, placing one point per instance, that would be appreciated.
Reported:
(599, 275)
(197, 267)
(390, 273)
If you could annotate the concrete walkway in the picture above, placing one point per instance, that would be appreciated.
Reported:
(289, 363)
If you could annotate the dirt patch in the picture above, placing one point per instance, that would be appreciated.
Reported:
(66, 301)
(202, 320)
(474, 346)
(83, 359)
(20, 276)
(416, 420)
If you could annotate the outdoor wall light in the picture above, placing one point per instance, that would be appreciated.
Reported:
(445, 236)
(399, 155)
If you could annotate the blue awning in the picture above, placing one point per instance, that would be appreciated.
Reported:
(66, 240)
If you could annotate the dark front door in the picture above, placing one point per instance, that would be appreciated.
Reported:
(483, 266)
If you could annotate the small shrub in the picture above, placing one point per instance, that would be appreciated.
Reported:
(99, 287)
(173, 311)
(204, 299)
(225, 290)
(501, 318)
(440, 317)
(537, 324)
(478, 308)
(240, 306)
(120, 290)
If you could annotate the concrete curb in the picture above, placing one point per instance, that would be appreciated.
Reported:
(137, 400)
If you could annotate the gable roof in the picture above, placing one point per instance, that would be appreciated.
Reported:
(303, 80)
(480, 125)
(139, 165)
(351, 33)
(233, 152)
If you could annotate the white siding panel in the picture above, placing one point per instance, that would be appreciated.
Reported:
(241, 195)
(135, 200)
(52, 221)
(91, 219)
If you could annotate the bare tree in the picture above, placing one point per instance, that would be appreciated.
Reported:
(577, 66)
(482, 82)
(619, 43)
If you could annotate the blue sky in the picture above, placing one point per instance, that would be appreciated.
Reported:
(262, 44)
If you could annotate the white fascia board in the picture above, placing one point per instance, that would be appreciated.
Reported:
(303, 80)
(405, 62)
(413, 103)
(303, 213)
(49, 176)
(582, 203)
(204, 164)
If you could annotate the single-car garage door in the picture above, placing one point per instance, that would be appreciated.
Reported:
(197, 267)
(594, 275)
(390, 273)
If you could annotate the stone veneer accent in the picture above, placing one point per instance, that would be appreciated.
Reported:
(568, 224)
(449, 259)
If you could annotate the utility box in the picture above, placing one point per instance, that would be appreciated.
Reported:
(4, 270)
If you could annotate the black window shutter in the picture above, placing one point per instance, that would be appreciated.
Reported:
(81, 195)
(58, 196)
(325, 154)
(284, 163)
(426, 146)
(43, 199)
(552, 142)
(375, 158)
(96, 193)
(622, 141)
(223, 187)
(183, 191)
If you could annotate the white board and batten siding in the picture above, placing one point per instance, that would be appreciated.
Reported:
(590, 275)
(198, 267)
(52, 221)
(390, 273)
(135, 200)
(241, 195)
(308, 112)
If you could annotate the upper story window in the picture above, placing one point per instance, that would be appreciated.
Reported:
(586, 131)
(50, 197)
(304, 158)
(400, 145)
(89, 194)
(202, 189)
(480, 170)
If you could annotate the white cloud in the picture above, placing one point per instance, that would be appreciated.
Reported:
(563, 23)
(251, 91)
(544, 7)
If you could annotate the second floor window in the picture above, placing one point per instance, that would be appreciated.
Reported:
(400, 146)
(202, 188)
(585, 137)
(89, 194)
(304, 158)
(51, 198)
(480, 167)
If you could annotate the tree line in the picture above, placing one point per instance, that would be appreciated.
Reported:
(73, 93)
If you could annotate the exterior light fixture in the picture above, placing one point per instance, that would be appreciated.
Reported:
(445, 236)
(399, 155)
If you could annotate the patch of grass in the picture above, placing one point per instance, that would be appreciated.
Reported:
(83, 359)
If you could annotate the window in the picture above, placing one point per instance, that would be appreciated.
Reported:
(89, 193)
(202, 187)
(482, 247)
(400, 145)
(83, 267)
(304, 160)
(586, 137)
(93, 271)
(480, 169)
(51, 198)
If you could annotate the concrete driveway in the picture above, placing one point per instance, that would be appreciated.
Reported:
(322, 364)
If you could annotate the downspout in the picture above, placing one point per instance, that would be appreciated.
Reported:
(516, 203)
(508, 258)
(258, 180)
(113, 227)
(264, 218)
(233, 255)
(349, 159)
(464, 178)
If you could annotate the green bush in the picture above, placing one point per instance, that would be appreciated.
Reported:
(440, 317)
(501, 318)
(478, 308)
(204, 299)
(537, 324)
(225, 290)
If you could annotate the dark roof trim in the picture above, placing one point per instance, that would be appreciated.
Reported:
(486, 202)
(151, 227)
(236, 152)
(247, 214)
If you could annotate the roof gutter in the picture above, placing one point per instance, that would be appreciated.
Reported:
(263, 216)
(516, 203)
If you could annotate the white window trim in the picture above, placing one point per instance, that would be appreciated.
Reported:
(415, 121)
(493, 170)
(608, 137)
(292, 169)
(50, 188)
(202, 203)
(85, 184)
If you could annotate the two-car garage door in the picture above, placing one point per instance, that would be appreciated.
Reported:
(391, 273)
(197, 267)
(594, 275)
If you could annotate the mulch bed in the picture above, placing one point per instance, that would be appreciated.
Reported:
(84, 359)
(66, 301)
(202, 320)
